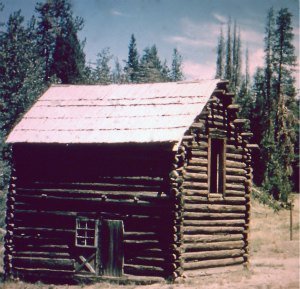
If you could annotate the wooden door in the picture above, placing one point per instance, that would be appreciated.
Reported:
(112, 251)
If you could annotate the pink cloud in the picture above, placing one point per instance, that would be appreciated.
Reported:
(193, 70)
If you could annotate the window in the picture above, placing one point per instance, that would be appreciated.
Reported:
(217, 166)
(86, 232)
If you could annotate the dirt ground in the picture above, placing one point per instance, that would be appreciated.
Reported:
(274, 259)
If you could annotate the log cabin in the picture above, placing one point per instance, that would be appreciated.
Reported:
(146, 181)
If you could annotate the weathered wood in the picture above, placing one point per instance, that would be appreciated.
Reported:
(196, 169)
(204, 255)
(236, 171)
(212, 230)
(212, 263)
(189, 192)
(195, 185)
(208, 200)
(47, 263)
(204, 238)
(143, 270)
(235, 157)
(194, 176)
(235, 179)
(214, 208)
(233, 164)
(225, 223)
(212, 215)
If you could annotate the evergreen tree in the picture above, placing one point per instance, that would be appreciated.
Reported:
(60, 48)
(257, 122)
(236, 60)
(21, 79)
(150, 66)
(176, 71)
(269, 62)
(228, 60)
(244, 95)
(102, 74)
(165, 72)
(68, 57)
(220, 56)
(284, 131)
(132, 64)
(117, 74)
(275, 107)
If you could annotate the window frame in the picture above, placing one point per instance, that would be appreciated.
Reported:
(86, 230)
(216, 145)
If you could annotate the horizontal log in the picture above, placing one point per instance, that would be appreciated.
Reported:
(148, 261)
(208, 255)
(32, 254)
(198, 162)
(208, 200)
(212, 216)
(234, 164)
(196, 169)
(214, 208)
(47, 263)
(212, 230)
(201, 245)
(213, 263)
(143, 270)
(215, 223)
(195, 185)
(199, 153)
(198, 125)
(235, 193)
(232, 149)
(235, 187)
(189, 192)
(140, 235)
(237, 156)
(235, 179)
(44, 232)
(195, 176)
(236, 171)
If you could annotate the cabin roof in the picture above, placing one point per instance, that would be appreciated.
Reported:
(125, 113)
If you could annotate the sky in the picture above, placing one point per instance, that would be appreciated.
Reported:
(191, 26)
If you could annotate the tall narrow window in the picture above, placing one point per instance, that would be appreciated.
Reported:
(217, 166)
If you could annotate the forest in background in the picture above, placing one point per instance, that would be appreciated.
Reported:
(47, 50)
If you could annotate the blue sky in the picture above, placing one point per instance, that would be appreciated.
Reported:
(192, 26)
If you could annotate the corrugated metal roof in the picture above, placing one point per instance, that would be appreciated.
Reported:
(156, 112)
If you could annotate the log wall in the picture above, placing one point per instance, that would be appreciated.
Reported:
(215, 226)
(54, 184)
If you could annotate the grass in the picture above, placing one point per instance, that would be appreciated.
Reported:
(274, 259)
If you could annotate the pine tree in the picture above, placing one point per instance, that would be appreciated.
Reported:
(102, 74)
(58, 41)
(68, 57)
(21, 79)
(132, 65)
(150, 66)
(269, 62)
(117, 74)
(228, 59)
(220, 56)
(165, 72)
(21, 72)
(279, 98)
(236, 60)
(244, 95)
(176, 71)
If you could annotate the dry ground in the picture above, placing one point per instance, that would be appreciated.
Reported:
(274, 259)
